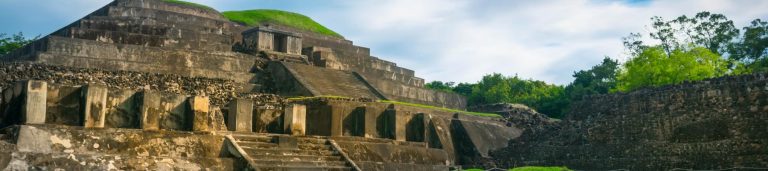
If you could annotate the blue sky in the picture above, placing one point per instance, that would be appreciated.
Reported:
(450, 40)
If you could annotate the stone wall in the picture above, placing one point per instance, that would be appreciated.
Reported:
(43, 147)
(219, 90)
(466, 139)
(712, 124)
(95, 106)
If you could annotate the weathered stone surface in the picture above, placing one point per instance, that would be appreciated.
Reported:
(220, 91)
(150, 110)
(267, 120)
(94, 106)
(710, 124)
(123, 109)
(240, 116)
(294, 119)
(35, 96)
(200, 108)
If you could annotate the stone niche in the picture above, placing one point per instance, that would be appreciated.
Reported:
(271, 40)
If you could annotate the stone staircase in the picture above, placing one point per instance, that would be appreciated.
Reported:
(267, 154)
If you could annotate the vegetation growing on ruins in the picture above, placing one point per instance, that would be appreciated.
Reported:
(10, 43)
(441, 108)
(261, 16)
(691, 48)
(189, 4)
(531, 168)
(403, 103)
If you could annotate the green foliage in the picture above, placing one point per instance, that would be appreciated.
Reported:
(705, 29)
(440, 86)
(440, 108)
(496, 88)
(653, 67)
(16, 41)
(179, 2)
(531, 168)
(598, 80)
(751, 48)
(260, 16)
(538, 168)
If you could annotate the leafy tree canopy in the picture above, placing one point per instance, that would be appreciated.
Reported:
(10, 43)
(653, 67)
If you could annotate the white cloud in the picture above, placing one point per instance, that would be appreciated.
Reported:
(463, 40)
(452, 40)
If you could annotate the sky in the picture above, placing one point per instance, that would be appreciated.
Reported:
(450, 40)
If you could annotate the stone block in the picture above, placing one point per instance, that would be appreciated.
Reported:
(395, 124)
(240, 116)
(337, 121)
(94, 100)
(415, 128)
(150, 110)
(34, 109)
(266, 120)
(354, 121)
(200, 109)
(287, 142)
(294, 119)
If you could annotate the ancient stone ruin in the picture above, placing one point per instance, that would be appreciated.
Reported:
(148, 84)
(153, 85)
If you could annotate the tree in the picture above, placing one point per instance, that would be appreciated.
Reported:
(654, 68)
(496, 88)
(712, 31)
(16, 41)
(751, 48)
(464, 89)
(440, 86)
(600, 79)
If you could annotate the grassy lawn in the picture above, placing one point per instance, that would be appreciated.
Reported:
(531, 168)
(259, 16)
(189, 4)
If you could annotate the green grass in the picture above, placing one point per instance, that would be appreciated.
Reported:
(260, 16)
(405, 104)
(440, 108)
(189, 4)
(531, 168)
(538, 168)
(315, 97)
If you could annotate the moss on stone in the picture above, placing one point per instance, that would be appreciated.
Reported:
(290, 19)
(441, 108)
(539, 168)
(531, 168)
(196, 5)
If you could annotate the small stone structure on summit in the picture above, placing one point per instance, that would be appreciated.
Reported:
(157, 85)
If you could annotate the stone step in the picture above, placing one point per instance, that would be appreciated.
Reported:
(296, 158)
(302, 168)
(312, 140)
(166, 16)
(115, 65)
(186, 26)
(277, 162)
(117, 37)
(151, 27)
(312, 146)
(256, 145)
(157, 5)
(254, 152)
(224, 61)
(253, 138)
